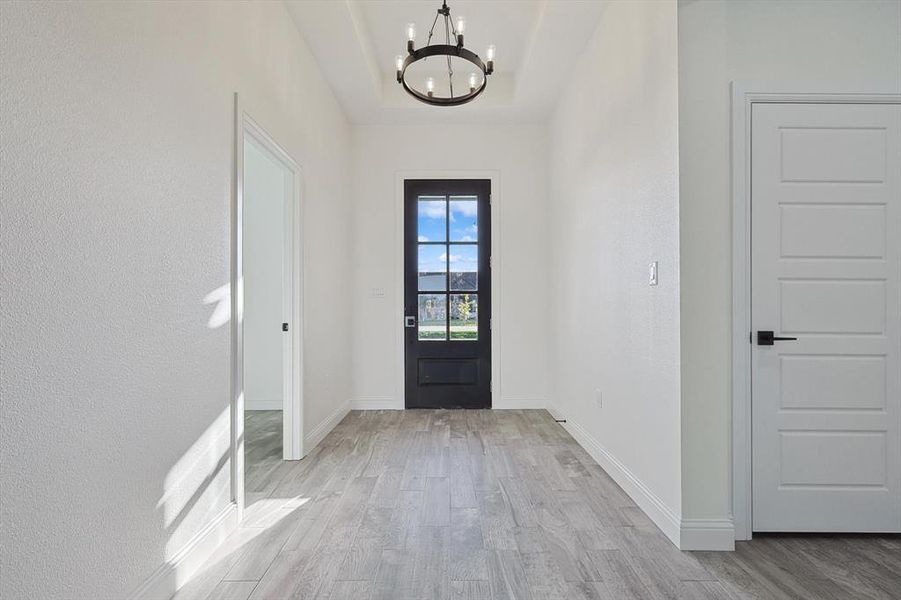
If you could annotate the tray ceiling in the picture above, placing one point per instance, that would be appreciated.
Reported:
(355, 42)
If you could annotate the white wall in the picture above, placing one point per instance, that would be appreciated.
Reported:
(268, 185)
(614, 208)
(117, 125)
(518, 153)
(851, 46)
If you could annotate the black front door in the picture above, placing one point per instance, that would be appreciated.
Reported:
(447, 298)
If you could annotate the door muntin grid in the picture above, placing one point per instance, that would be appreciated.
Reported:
(448, 268)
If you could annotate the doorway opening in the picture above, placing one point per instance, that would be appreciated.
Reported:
(447, 293)
(267, 404)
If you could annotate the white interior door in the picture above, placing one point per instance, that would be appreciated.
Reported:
(826, 269)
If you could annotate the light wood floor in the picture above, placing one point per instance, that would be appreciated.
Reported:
(399, 505)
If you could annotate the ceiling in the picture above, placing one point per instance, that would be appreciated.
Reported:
(355, 42)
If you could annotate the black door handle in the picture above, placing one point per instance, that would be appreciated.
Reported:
(766, 338)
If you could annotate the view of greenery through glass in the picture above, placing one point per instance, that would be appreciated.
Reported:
(464, 318)
(447, 232)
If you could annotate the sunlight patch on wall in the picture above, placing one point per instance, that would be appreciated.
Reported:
(198, 481)
(221, 299)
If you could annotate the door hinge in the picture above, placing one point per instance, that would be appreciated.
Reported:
(284, 327)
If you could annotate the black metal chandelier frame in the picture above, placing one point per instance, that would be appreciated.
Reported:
(449, 51)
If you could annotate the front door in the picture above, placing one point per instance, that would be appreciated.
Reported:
(826, 278)
(447, 299)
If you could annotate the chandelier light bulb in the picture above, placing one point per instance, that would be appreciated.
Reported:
(411, 32)
(399, 62)
(473, 81)
(461, 25)
(489, 54)
(430, 85)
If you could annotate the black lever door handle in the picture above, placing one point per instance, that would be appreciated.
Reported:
(766, 338)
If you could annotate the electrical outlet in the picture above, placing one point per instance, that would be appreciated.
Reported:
(598, 398)
(652, 273)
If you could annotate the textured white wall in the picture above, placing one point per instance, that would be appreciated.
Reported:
(850, 46)
(268, 185)
(614, 208)
(116, 157)
(519, 154)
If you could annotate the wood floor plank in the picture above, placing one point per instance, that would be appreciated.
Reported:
(382, 527)
(351, 590)
(386, 490)
(470, 590)
(233, 590)
(430, 547)
(545, 580)
(467, 556)
(394, 576)
(506, 577)
(462, 489)
(360, 562)
(437, 502)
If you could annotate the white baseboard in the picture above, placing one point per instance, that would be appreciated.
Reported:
(686, 534)
(318, 433)
(663, 516)
(376, 403)
(274, 404)
(185, 563)
(707, 534)
(519, 404)
(388, 403)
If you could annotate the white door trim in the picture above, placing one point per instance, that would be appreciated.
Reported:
(293, 442)
(495, 177)
(744, 95)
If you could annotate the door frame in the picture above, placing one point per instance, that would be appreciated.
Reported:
(292, 350)
(744, 96)
(399, 400)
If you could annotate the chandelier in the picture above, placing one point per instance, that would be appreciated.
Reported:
(451, 49)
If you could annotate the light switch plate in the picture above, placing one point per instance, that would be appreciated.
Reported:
(652, 273)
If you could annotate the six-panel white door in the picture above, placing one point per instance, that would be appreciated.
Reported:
(826, 269)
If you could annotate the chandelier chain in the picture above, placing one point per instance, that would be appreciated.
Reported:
(450, 70)
(432, 30)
